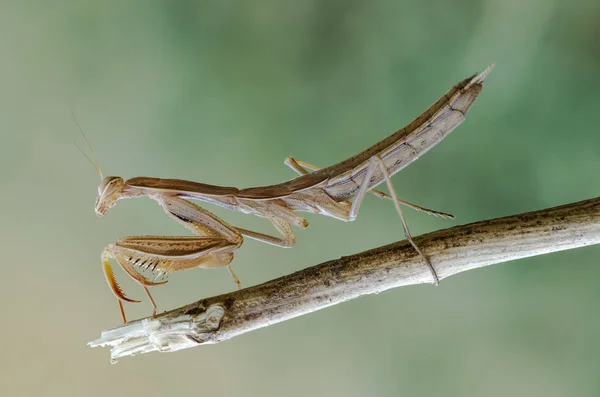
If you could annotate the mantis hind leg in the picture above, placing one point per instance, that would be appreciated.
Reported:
(301, 168)
(374, 163)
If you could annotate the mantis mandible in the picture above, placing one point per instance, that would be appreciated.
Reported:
(336, 191)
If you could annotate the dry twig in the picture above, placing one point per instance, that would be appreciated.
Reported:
(451, 251)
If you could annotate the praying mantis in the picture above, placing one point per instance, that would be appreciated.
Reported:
(336, 191)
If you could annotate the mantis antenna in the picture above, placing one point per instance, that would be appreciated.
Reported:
(95, 162)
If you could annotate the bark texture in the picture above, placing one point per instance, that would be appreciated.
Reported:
(451, 251)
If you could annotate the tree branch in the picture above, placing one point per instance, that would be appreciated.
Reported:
(451, 251)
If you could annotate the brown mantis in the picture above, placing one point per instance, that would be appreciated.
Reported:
(336, 191)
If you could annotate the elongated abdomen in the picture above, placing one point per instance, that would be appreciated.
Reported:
(407, 144)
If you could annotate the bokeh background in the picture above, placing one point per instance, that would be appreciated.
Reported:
(221, 92)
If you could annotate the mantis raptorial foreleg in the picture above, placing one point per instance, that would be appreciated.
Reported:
(336, 192)
(198, 220)
(301, 168)
(205, 223)
(162, 256)
(201, 222)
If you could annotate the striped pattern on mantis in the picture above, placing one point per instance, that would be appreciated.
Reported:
(336, 191)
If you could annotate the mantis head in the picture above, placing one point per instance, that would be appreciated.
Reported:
(110, 188)
(109, 192)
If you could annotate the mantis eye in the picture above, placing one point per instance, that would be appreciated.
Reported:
(109, 184)
(109, 192)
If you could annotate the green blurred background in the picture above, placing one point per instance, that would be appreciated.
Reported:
(221, 92)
